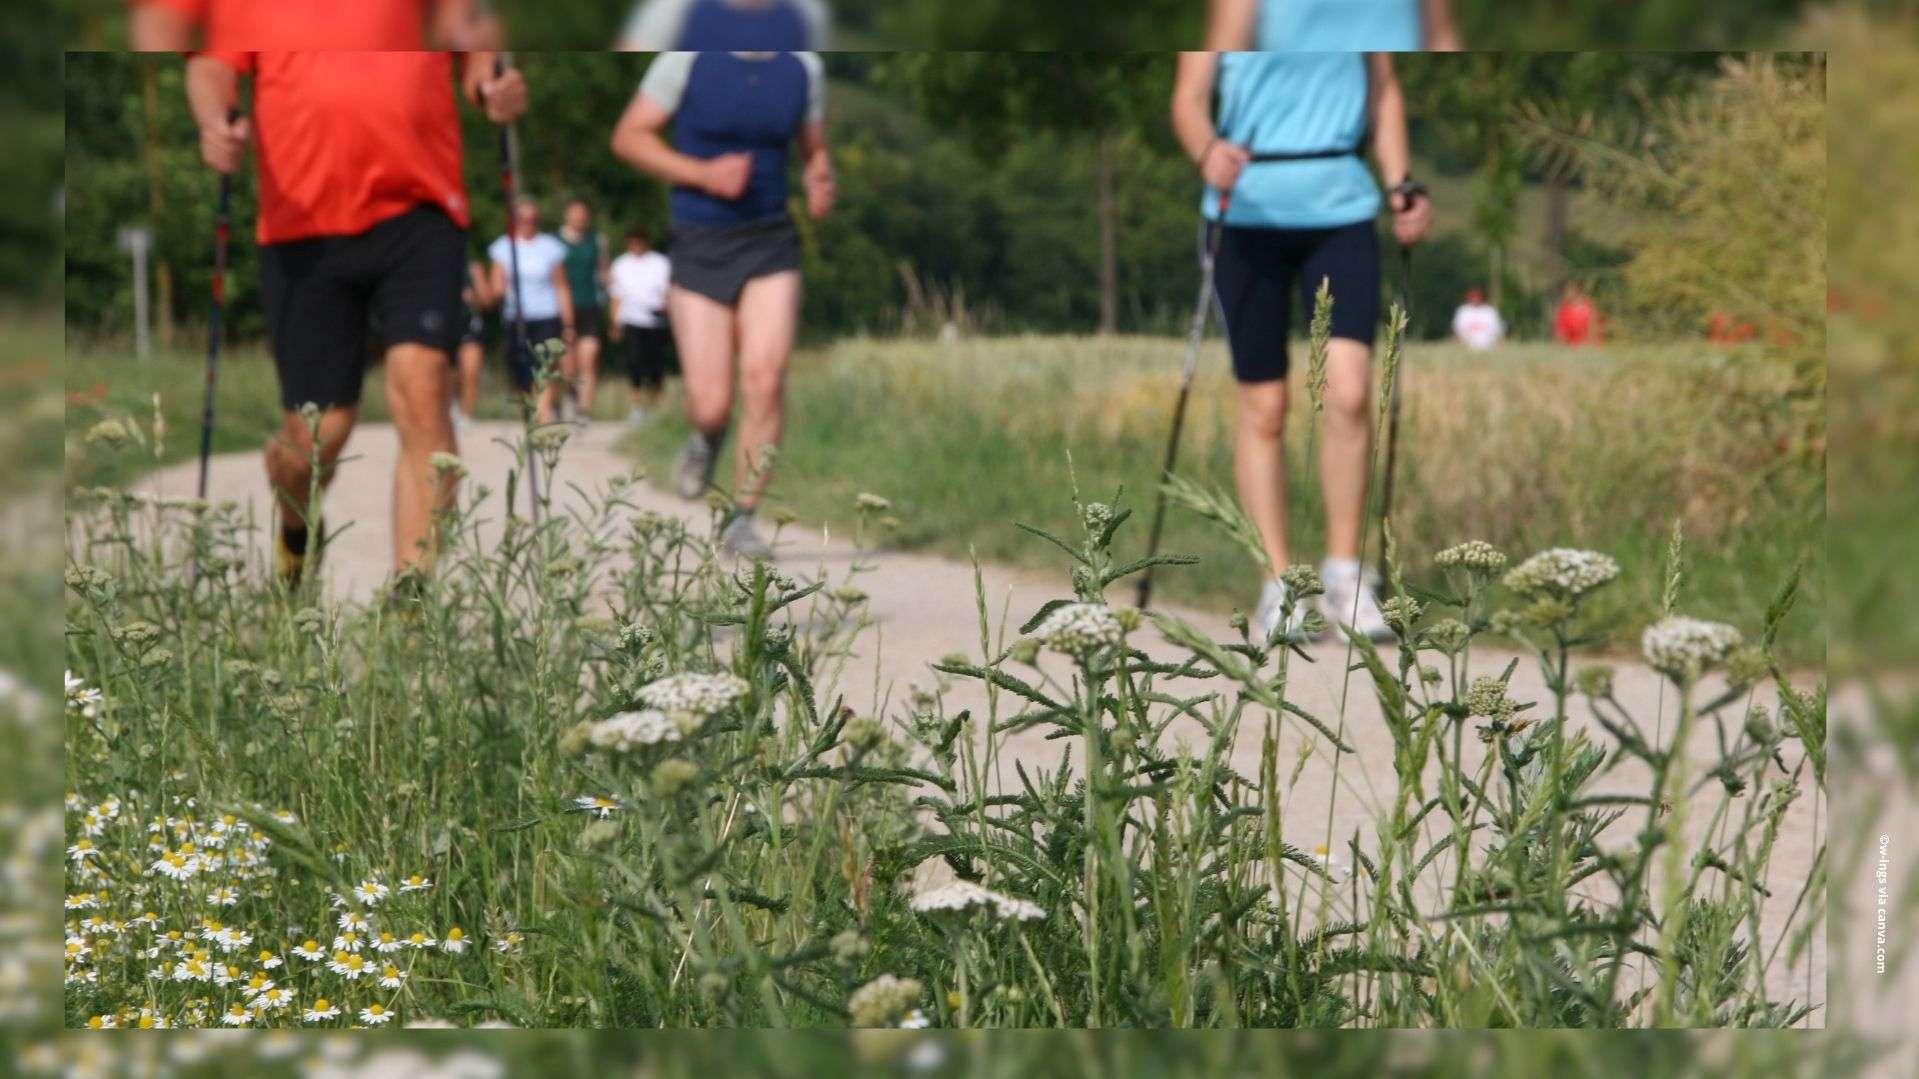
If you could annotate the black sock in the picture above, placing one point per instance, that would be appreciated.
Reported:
(295, 537)
(712, 439)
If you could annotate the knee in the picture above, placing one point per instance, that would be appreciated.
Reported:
(1348, 400)
(1263, 416)
(709, 413)
(762, 386)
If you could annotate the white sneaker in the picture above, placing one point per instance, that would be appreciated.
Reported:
(1271, 609)
(1352, 599)
(462, 423)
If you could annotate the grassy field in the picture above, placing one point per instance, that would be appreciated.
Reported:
(1529, 448)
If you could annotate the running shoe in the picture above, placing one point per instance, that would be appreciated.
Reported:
(1272, 608)
(694, 470)
(289, 565)
(740, 537)
(1352, 599)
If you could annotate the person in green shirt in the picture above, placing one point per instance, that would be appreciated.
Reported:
(586, 277)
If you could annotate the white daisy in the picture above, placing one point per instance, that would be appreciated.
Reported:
(599, 806)
(455, 941)
(370, 892)
(237, 1016)
(322, 1010)
(374, 1015)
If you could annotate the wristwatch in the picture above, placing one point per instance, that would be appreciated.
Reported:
(1411, 189)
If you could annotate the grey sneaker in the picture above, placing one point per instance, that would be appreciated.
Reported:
(1352, 599)
(1271, 609)
(742, 539)
(694, 471)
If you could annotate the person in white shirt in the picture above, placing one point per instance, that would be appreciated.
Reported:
(542, 286)
(1477, 324)
(637, 282)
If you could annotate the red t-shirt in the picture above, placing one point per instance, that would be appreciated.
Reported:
(1573, 323)
(346, 140)
(304, 24)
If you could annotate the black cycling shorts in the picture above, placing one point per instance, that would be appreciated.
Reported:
(648, 349)
(522, 358)
(588, 322)
(1258, 272)
(319, 293)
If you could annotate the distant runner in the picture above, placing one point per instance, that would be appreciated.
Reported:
(736, 118)
(1292, 224)
(403, 25)
(549, 300)
(711, 25)
(1575, 320)
(586, 279)
(638, 282)
(1476, 323)
(475, 298)
(362, 213)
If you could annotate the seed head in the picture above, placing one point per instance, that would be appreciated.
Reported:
(1683, 648)
(1474, 556)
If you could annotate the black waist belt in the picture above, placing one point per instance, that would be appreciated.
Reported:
(1304, 155)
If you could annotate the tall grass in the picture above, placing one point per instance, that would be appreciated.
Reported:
(635, 778)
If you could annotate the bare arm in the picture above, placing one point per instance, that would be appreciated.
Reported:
(638, 141)
(1229, 24)
(1392, 153)
(158, 28)
(213, 91)
(1219, 161)
(817, 173)
(496, 282)
(565, 293)
(455, 26)
(1442, 35)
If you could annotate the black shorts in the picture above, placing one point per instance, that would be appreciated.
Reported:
(648, 349)
(406, 272)
(473, 331)
(718, 261)
(589, 322)
(1258, 271)
(522, 359)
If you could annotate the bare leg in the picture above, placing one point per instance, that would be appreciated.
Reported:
(587, 373)
(1344, 461)
(472, 361)
(1259, 464)
(416, 396)
(769, 315)
(703, 330)
(290, 455)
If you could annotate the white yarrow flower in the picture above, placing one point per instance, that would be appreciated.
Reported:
(1565, 572)
(1080, 629)
(699, 694)
(1682, 648)
(629, 730)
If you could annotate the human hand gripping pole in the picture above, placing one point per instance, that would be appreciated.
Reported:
(1194, 337)
(510, 187)
(221, 226)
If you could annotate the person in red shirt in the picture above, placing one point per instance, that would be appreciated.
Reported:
(1576, 320)
(362, 212)
(180, 25)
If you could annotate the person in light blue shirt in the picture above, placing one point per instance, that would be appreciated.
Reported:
(1294, 205)
(542, 286)
(1332, 25)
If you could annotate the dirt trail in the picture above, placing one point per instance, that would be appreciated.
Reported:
(924, 607)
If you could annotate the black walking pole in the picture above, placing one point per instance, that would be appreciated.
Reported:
(221, 222)
(1194, 337)
(509, 182)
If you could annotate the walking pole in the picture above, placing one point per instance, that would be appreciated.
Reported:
(221, 221)
(1194, 336)
(510, 185)
(1392, 394)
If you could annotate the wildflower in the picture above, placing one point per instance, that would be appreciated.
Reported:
(267, 960)
(1562, 573)
(392, 977)
(871, 503)
(415, 883)
(454, 942)
(176, 865)
(348, 965)
(673, 776)
(386, 943)
(1448, 635)
(629, 730)
(374, 1015)
(257, 984)
(83, 698)
(1473, 556)
(354, 921)
(961, 896)
(321, 1011)
(1682, 648)
(82, 901)
(224, 896)
(237, 1016)
(600, 806)
(508, 941)
(82, 849)
(309, 950)
(550, 438)
(370, 892)
(1487, 697)
(102, 1022)
(883, 1001)
(446, 464)
(699, 694)
(276, 999)
(1400, 613)
(1302, 581)
(915, 1020)
(1080, 629)
(420, 940)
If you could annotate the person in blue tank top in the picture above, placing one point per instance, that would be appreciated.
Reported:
(1295, 204)
(705, 25)
(1333, 25)
(738, 121)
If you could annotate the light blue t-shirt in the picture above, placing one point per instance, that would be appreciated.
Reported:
(538, 257)
(1338, 26)
(1294, 102)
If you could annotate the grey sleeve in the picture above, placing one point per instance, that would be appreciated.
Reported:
(665, 79)
(819, 23)
(654, 25)
(815, 86)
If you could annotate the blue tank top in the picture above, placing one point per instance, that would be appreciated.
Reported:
(733, 104)
(1280, 102)
(1338, 26)
(716, 24)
